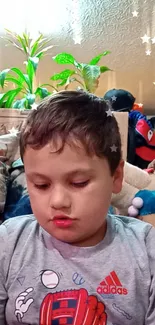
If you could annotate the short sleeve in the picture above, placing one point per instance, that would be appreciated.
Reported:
(150, 245)
(3, 255)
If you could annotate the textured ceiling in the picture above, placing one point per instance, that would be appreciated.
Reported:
(99, 25)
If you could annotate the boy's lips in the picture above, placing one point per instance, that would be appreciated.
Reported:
(63, 221)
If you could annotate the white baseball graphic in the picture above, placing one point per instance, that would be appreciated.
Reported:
(50, 279)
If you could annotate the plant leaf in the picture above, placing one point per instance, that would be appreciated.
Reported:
(20, 103)
(3, 75)
(24, 77)
(63, 75)
(91, 74)
(14, 80)
(69, 81)
(77, 65)
(43, 43)
(35, 44)
(22, 42)
(2, 101)
(14, 44)
(1, 95)
(31, 98)
(30, 68)
(97, 58)
(10, 96)
(35, 61)
(26, 38)
(62, 83)
(64, 58)
(49, 85)
(104, 69)
(39, 54)
(15, 39)
(34, 49)
(42, 92)
(13, 34)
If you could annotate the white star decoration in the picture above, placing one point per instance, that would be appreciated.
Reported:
(34, 106)
(13, 131)
(145, 38)
(135, 13)
(114, 98)
(140, 105)
(148, 52)
(77, 39)
(153, 40)
(113, 148)
(109, 112)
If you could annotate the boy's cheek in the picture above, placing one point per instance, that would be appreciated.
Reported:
(35, 197)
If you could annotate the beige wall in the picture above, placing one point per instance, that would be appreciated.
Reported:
(104, 24)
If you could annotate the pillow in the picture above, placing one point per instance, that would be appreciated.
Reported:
(9, 144)
(17, 200)
(3, 186)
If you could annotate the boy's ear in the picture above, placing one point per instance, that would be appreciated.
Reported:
(118, 178)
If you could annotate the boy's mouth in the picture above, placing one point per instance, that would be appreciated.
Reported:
(62, 221)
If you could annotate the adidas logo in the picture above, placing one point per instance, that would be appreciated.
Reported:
(111, 285)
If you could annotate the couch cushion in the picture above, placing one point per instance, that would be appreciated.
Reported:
(9, 144)
(8, 148)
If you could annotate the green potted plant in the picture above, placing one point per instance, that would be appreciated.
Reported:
(23, 83)
(17, 86)
(87, 75)
(23, 93)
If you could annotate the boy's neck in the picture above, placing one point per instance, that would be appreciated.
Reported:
(94, 239)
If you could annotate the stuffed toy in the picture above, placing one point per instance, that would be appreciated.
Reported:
(141, 129)
(141, 140)
(137, 197)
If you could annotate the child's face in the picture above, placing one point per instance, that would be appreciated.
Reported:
(72, 185)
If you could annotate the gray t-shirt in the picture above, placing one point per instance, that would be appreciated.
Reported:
(47, 282)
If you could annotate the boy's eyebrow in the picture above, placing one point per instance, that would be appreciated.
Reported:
(70, 173)
(80, 171)
(35, 174)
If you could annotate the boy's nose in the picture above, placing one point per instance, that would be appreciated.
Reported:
(60, 198)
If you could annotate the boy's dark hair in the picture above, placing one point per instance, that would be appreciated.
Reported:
(74, 115)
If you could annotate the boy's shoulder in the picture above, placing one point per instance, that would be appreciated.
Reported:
(17, 225)
(130, 226)
(135, 234)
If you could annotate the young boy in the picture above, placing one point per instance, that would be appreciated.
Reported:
(70, 262)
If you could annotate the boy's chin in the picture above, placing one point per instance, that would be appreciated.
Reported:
(68, 238)
(77, 240)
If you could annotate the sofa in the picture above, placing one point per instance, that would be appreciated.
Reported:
(14, 199)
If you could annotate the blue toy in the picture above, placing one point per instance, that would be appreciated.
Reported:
(143, 204)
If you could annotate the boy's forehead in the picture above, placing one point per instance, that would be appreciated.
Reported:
(54, 148)
(69, 160)
(70, 173)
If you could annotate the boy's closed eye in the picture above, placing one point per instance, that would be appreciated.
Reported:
(42, 186)
(80, 184)
(74, 184)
